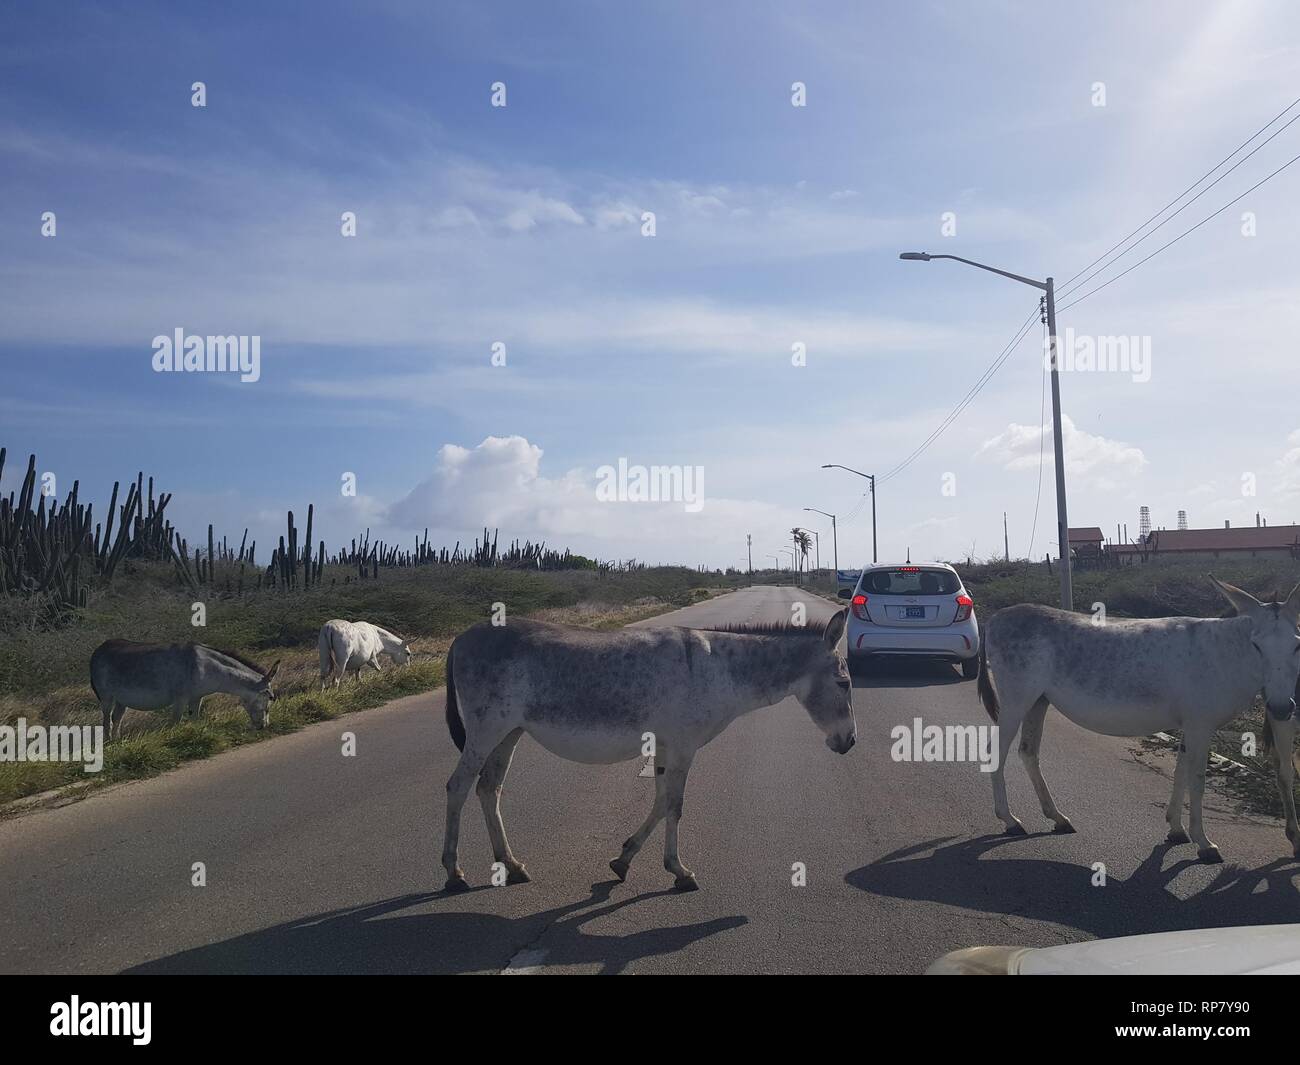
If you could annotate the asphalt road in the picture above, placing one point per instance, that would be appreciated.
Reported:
(320, 863)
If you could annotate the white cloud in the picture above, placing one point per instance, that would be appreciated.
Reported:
(500, 484)
(1094, 459)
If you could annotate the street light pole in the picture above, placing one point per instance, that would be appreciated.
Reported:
(835, 540)
(872, 478)
(1062, 522)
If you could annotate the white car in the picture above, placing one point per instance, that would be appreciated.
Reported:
(920, 611)
(1261, 950)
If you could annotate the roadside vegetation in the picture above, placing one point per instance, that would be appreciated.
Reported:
(44, 663)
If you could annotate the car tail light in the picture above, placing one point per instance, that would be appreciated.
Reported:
(965, 604)
(858, 604)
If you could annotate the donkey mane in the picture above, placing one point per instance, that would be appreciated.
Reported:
(766, 628)
(247, 663)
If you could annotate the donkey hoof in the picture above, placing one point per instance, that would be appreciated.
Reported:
(686, 883)
(1178, 835)
(1016, 829)
(1210, 855)
(620, 868)
(518, 875)
(1063, 827)
(456, 885)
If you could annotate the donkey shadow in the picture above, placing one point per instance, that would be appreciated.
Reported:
(1061, 892)
(377, 938)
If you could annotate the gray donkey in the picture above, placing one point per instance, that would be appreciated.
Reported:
(604, 697)
(155, 676)
(1133, 678)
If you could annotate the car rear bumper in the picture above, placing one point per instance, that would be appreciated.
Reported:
(954, 642)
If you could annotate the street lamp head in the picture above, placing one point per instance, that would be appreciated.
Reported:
(920, 256)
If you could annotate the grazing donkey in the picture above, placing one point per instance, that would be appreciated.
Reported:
(154, 676)
(356, 644)
(1133, 678)
(600, 697)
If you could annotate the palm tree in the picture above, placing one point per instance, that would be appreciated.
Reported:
(802, 544)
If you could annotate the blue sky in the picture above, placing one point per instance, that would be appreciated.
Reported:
(775, 225)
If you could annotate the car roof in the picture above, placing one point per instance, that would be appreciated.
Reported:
(900, 565)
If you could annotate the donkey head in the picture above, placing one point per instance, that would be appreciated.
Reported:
(826, 691)
(258, 700)
(401, 654)
(1273, 635)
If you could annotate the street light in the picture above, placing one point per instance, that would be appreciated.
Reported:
(1062, 523)
(835, 543)
(794, 577)
(872, 478)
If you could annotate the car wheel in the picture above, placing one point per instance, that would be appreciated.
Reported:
(970, 668)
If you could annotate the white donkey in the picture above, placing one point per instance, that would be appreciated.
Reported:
(1133, 678)
(348, 645)
(600, 697)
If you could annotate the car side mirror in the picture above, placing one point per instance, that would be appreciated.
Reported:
(846, 593)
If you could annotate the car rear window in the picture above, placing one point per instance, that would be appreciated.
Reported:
(911, 581)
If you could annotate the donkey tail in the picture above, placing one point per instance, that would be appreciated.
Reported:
(988, 694)
(454, 723)
(325, 644)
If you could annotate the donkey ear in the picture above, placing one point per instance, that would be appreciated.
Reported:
(269, 675)
(1292, 604)
(1242, 602)
(835, 628)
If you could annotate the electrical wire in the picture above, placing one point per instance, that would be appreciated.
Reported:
(1069, 281)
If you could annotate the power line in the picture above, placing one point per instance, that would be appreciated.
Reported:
(1180, 210)
(1193, 229)
(1006, 352)
(966, 400)
(1189, 188)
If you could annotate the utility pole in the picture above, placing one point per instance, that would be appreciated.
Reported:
(1048, 288)
(1062, 523)
(872, 478)
(1006, 542)
(749, 547)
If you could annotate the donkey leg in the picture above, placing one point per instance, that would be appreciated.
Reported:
(490, 780)
(1174, 811)
(1008, 726)
(1198, 752)
(1283, 751)
(118, 710)
(106, 711)
(675, 788)
(1031, 736)
(195, 708)
(458, 785)
(178, 710)
(633, 844)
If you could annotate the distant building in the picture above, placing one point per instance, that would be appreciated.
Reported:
(1085, 544)
(1267, 541)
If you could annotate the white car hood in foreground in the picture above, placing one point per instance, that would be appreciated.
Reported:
(1272, 949)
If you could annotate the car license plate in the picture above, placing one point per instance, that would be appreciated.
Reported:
(914, 612)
